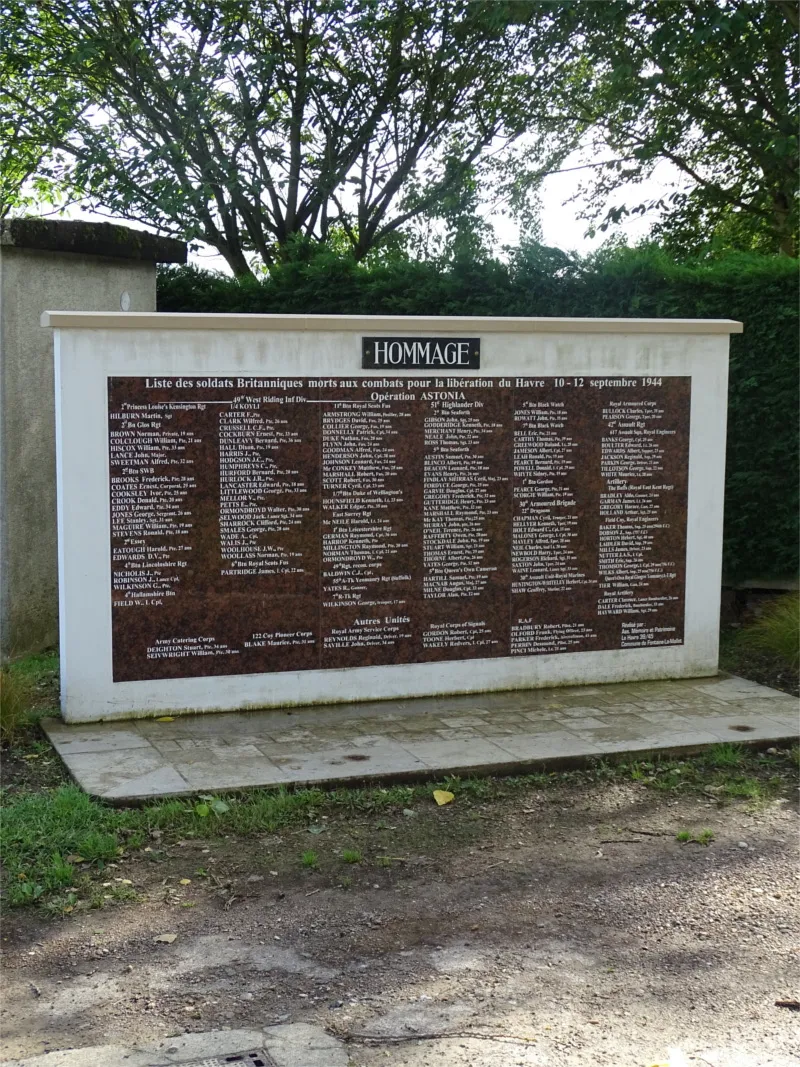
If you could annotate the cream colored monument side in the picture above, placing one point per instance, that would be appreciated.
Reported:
(165, 350)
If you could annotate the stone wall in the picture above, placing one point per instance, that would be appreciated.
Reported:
(46, 265)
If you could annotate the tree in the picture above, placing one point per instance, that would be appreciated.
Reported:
(254, 124)
(35, 109)
(709, 86)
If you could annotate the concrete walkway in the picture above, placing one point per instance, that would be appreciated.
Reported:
(292, 1045)
(429, 737)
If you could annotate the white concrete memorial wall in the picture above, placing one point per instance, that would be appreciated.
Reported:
(262, 511)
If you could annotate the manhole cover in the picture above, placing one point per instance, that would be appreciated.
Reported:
(255, 1058)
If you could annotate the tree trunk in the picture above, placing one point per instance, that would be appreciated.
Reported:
(787, 238)
(237, 262)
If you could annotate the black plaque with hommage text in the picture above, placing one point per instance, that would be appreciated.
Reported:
(435, 354)
(283, 524)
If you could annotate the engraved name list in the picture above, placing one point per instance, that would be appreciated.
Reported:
(278, 524)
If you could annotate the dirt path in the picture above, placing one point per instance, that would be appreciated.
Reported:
(558, 927)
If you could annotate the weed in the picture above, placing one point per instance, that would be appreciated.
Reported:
(669, 779)
(351, 855)
(744, 787)
(705, 837)
(102, 896)
(60, 872)
(17, 696)
(477, 788)
(61, 905)
(724, 755)
(345, 881)
(208, 805)
(50, 875)
(98, 847)
(24, 893)
(310, 859)
(777, 631)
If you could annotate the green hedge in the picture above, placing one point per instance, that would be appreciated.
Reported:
(761, 513)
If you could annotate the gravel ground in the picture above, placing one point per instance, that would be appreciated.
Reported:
(537, 928)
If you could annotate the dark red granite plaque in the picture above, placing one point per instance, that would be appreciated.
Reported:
(262, 524)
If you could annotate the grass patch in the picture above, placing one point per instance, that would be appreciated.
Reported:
(705, 837)
(40, 831)
(60, 838)
(42, 668)
(56, 842)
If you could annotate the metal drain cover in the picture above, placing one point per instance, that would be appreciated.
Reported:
(254, 1058)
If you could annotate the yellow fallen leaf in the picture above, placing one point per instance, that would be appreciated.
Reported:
(165, 939)
(166, 718)
(74, 857)
(33, 755)
(186, 881)
(124, 881)
(442, 796)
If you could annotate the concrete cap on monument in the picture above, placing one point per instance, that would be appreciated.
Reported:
(91, 239)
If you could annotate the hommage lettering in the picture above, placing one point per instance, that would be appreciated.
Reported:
(291, 524)
(433, 353)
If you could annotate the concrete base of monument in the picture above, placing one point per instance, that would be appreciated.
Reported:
(416, 739)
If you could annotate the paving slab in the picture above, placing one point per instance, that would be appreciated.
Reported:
(402, 740)
(289, 1045)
